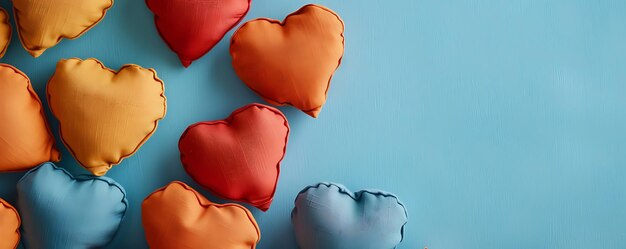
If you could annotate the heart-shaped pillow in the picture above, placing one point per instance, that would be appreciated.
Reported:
(328, 215)
(104, 115)
(5, 31)
(9, 226)
(43, 24)
(192, 28)
(290, 62)
(238, 158)
(62, 211)
(26, 137)
(176, 216)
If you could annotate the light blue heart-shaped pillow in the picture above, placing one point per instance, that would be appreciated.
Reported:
(62, 211)
(329, 216)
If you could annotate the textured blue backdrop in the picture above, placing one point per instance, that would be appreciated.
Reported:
(500, 124)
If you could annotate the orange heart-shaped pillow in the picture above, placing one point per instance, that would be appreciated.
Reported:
(238, 158)
(43, 24)
(290, 62)
(104, 115)
(5, 31)
(176, 216)
(9, 226)
(24, 131)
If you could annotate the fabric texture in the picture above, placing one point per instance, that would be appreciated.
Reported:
(290, 62)
(238, 158)
(9, 226)
(329, 216)
(25, 137)
(62, 211)
(5, 31)
(192, 27)
(43, 24)
(176, 216)
(104, 115)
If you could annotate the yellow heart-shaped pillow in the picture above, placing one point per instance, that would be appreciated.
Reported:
(104, 115)
(44, 23)
(25, 137)
(5, 31)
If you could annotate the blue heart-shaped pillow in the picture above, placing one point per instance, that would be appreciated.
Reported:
(329, 216)
(62, 211)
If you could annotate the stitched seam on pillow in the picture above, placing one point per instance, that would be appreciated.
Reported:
(227, 122)
(19, 220)
(8, 23)
(356, 196)
(198, 195)
(282, 23)
(205, 52)
(34, 95)
(17, 21)
(83, 178)
(110, 165)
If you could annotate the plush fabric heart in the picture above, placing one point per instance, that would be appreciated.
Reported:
(62, 211)
(9, 226)
(176, 216)
(290, 62)
(43, 24)
(25, 138)
(104, 115)
(238, 158)
(5, 31)
(329, 216)
(192, 27)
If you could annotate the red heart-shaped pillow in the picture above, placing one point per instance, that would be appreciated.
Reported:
(238, 158)
(192, 28)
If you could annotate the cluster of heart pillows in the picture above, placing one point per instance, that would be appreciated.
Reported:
(106, 115)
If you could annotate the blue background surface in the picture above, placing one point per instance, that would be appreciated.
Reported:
(500, 124)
